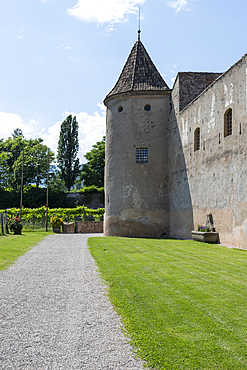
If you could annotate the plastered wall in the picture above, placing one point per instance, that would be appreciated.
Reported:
(212, 179)
(137, 194)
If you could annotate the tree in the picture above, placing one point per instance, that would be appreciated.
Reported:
(68, 146)
(55, 181)
(13, 147)
(17, 132)
(35, 163)
(4, 170)
(93, 171)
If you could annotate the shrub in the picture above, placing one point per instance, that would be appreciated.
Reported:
(14, 224)
(56, 221)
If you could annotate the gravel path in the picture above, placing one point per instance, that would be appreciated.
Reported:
(55, 314)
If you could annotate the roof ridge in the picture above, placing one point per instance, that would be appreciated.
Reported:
(133, 76)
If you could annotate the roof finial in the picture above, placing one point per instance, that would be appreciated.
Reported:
(139, 31)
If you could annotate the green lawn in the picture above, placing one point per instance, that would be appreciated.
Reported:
(13, 246)
(183, 303)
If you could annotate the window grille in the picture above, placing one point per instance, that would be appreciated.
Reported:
(142, 155)
(228, 123)
(197, 139)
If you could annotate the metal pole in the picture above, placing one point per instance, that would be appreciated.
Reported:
(1, 218)
(6, 222)
(47, 192)
(22, 181)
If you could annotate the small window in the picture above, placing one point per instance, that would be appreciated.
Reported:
(228, 123)
(147, 107)
(120, 108)
(142, 155)
(197, 139)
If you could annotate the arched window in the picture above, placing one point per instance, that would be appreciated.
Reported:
(228, 123)
(197, 139)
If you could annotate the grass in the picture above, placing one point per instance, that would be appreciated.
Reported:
(13, 246)
(183, 303)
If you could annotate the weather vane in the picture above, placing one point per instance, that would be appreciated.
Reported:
(139, 31)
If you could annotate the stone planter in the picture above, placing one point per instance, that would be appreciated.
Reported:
(68, 228)
(56, 230)
(206, 237)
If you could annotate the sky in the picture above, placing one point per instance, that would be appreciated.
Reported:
(61, 57)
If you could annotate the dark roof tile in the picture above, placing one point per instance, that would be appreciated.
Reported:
(138, 74)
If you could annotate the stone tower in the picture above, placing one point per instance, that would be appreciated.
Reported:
(137, 169)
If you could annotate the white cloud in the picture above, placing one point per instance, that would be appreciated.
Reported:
(107, 11)
(64, 47)
(74, 59)
(174, 70)
(10, 121)
(178, 4)
(51, 137)
(91, 129)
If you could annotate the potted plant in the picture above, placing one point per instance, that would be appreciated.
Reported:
(56, 223)
(206, 233)
(15, 225)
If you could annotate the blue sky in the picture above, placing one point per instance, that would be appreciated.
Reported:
(61, 57)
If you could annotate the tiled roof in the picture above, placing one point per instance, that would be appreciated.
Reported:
(138, 74)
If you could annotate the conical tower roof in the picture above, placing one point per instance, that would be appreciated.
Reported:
(139, 74)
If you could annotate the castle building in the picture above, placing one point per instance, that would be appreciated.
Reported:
(175, 155)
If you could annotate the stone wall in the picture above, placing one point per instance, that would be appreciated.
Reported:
(88, 227)
(89, 200)
(212, 179)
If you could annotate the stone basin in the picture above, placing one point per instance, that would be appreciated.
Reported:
(206, 237)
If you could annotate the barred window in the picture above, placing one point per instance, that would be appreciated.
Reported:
(197, 139)
(228, 123)
(142, 155)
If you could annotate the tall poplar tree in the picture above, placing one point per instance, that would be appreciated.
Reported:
(68, 147)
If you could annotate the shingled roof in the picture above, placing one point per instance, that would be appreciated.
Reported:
(138, 74)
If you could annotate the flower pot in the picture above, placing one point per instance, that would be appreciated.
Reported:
(17, 231)
(56, 230)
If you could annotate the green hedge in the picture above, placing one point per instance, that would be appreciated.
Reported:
(68, 214)
(36, 197)
(32, 197)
